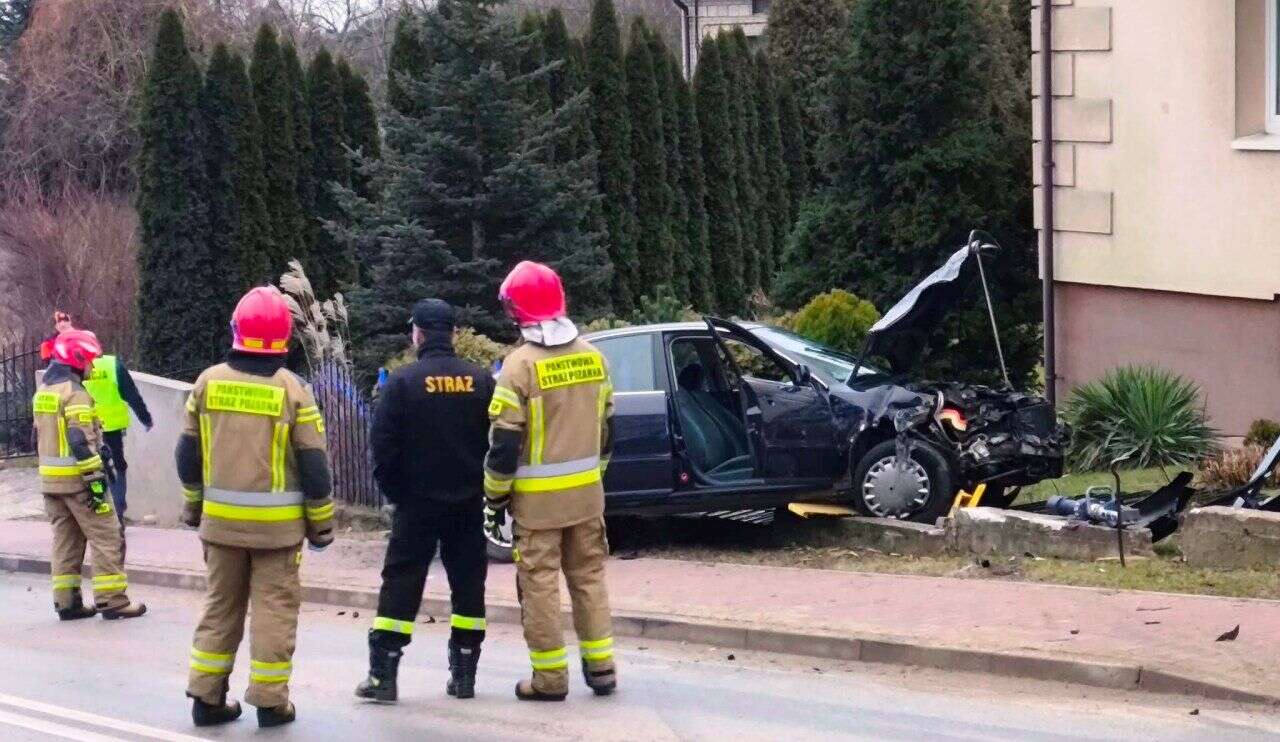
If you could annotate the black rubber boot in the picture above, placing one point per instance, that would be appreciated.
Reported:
(208, 715)
(278, 716)
(384, 665)
(132, 610)
(77, 611)
(601, 683)
(462, 671)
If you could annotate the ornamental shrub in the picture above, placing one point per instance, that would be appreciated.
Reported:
(1262, 432)
(837, 319)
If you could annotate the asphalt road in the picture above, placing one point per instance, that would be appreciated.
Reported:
(93, 680)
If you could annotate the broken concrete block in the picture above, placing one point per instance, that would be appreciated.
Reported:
(1230, 537)
(995, 532)
(892, 536)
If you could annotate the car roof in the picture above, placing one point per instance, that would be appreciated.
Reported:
(659, 327)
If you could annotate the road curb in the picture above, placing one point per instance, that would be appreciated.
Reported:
(1116, 676)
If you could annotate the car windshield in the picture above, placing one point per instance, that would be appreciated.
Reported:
(828, 363)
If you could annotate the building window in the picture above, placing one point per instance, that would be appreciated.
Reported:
(1273, 68)
(762, 6)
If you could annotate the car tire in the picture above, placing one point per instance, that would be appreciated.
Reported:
(500, 550)
(930, 469)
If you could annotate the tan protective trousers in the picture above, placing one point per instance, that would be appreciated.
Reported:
(264, 582)
(580, 551)
(75, 524)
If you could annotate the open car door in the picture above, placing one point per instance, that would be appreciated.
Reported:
(788, 411)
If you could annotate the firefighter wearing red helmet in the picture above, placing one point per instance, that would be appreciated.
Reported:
(256, 480)
(549, 443)
(75, 485)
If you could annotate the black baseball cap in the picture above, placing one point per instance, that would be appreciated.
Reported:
(432, 313)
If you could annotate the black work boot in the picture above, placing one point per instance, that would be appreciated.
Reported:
(384, 664)
(278, 716)
(76, 611)
(129, 610)
(462, 671)
(208, 714)
(601, 682)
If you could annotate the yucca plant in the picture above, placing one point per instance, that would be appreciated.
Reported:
(1147, 414)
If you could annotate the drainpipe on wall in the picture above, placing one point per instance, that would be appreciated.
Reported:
(1046, 182)
(686, 39)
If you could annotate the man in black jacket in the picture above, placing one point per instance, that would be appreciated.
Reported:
(430, 437)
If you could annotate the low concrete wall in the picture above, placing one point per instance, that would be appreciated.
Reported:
(1230, 538)
(154, 488)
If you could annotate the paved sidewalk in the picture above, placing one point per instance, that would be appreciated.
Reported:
(1108, 638)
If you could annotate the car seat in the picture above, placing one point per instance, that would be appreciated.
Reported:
(716, 439)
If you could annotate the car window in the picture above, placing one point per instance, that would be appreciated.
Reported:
(698, 367)
(630, 362)
(755, 364)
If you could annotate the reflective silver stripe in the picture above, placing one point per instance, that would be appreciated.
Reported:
(252, 499)
(537, 471)
(58, 461)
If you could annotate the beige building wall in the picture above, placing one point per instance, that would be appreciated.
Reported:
(1166, 182)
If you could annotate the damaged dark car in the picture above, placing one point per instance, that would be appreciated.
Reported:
(731, 416)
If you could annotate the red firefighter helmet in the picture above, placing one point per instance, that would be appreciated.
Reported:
(77, 349)
(532, 293)
(262, 322)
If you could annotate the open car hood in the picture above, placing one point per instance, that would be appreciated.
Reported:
(927, 301)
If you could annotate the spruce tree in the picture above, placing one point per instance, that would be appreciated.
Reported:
(794, 151)
(470, 189)
(777, 199)
(177, 266)
(653, 195)
(300, 115)
(666, 71)
(240, 229)
(334, 263)
(742, 115)
(272, 96)
(804, 40)
(693, 192)
(918, 156)
(360, 124)
(407, 59)
(535, 58)
(606, 79)
(720, 163)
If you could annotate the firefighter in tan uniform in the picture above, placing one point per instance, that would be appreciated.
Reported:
(75, 485)
(552, 415)
(256, 480)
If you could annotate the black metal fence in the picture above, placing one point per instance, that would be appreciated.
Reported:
(19, 360)
(348, 414)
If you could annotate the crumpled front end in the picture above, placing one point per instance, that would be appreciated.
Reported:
(1005, 439)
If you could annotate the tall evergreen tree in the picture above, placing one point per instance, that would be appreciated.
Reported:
(606, 79)
(334, 263)
(653, 195)
(666, 71)
(565, 82)
(778, 196)
(271, 94)
(535, 58)
(805, 39)
(408, 59)
(794, 151)
(720, 163)
(176, 263)
(918, 156)
(693, 190)
(360, 124)
(742, 116)
(240, 228)
(300, 115)
(470, 189)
